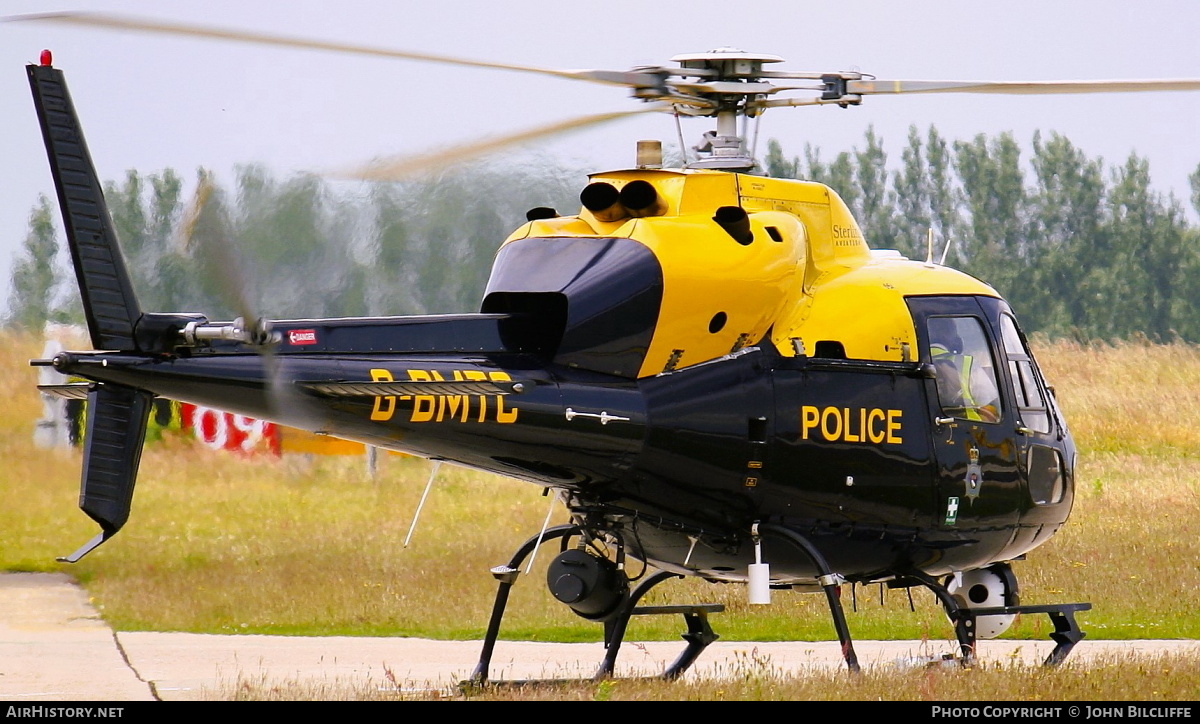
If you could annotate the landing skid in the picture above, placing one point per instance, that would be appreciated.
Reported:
(1062, 615)
(698, 636)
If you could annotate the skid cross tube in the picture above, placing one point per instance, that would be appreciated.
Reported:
(698, 636)
(831, 588)
(961, 616)
(1062, 615)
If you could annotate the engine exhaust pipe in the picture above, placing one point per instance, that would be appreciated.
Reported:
(736, 222)
(641, 199)
(603, 200)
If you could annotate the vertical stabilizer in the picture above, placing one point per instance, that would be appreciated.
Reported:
(116, 428)
(108, 299)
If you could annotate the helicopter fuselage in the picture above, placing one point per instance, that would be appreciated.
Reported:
(693, 355)
(682, 378)
(847, 451)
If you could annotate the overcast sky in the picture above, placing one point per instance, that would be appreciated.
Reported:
(154, 102)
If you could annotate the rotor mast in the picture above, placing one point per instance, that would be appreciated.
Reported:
(729, 80)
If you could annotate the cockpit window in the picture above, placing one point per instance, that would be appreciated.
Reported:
(966, 373)
(1031, 399)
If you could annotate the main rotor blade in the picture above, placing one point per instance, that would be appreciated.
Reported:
(399, 167)
(149, 25)
(1036, 87)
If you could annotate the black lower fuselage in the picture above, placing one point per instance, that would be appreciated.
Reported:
(853, 455)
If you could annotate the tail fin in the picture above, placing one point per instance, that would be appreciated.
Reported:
(116, 428)
(108, 300)
(117, 415)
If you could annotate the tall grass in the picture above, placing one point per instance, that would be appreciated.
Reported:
(218, 543)
(1166, 678)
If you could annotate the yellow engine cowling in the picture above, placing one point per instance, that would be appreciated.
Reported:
(745, 257)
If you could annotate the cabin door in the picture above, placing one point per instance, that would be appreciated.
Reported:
(979, 481)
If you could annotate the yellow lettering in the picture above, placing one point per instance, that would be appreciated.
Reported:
(826, 414)
(809, 417)
(423, 405)
(441, 408)
(503, 416)
(837, 424)
(846, 425)
(441, 399)
(453, 404)
(876, 435)
(385, 406)
(893, 426)
(476, 375)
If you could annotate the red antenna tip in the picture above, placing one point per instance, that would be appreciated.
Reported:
(46, 57)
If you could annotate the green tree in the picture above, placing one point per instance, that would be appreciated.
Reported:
(126, 207)
(778, 165)
(993, 187)
(945, 199)
(435, 238)
(34, 274)
(1194, 180)
(280, 239)
(876, 202)
(911, 191)
(1070, 252)
(144, 210)
(838, 175)
(1148, 235)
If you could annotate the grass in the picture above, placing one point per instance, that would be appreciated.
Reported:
(1112, 678)
(222, 544)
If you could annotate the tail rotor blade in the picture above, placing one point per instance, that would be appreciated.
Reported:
(206, 235)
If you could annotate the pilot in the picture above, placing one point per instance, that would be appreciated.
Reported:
(964, 387)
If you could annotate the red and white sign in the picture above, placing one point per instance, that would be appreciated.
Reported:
(302, 336)
(225, 431)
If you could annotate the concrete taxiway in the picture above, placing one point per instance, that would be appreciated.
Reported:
(54, 647)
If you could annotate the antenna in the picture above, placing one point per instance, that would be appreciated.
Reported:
(945, 251)
(432, 474)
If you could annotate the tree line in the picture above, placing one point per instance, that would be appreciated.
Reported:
(1078, 248)
(295, 247)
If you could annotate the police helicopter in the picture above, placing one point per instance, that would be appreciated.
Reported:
(710, 368)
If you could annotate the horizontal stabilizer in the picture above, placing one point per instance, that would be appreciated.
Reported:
(116, 428)
(401, 388)
(68, 390)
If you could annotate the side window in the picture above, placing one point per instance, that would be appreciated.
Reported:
(966, 372)
(1046, 482)
(1031, 398)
